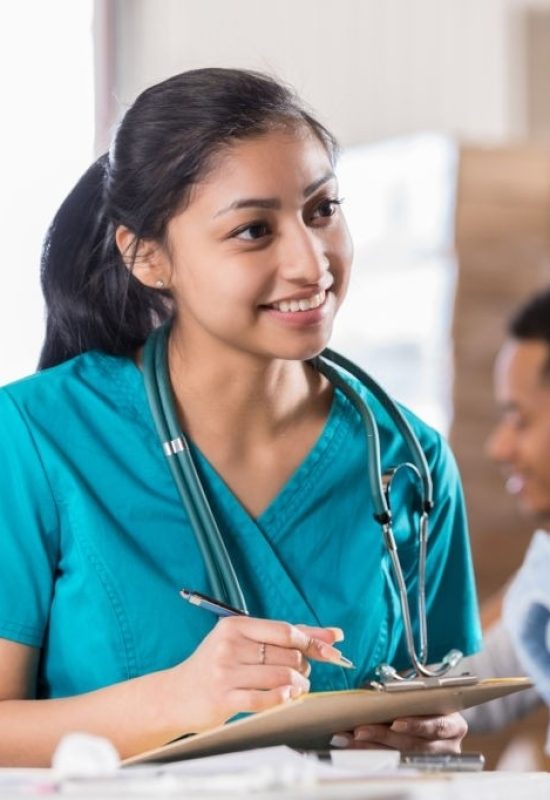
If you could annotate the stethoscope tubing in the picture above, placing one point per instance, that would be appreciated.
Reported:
(219, 567)
(401, 423)
(220, 571)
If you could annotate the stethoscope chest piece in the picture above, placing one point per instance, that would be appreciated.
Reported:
(386, 674)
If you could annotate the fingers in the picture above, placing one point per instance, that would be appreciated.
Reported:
(250, 677)
(321, 651)
(238, 662)
(328, 635)
(247, 664)
(269, 654)
(287, 636)
(441, 734)
(346, 740)
(233, 671)
(319, 643)
(246, 700)
(448, 726)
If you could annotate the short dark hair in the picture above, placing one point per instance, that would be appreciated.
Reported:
(166, 142)
(531, 321)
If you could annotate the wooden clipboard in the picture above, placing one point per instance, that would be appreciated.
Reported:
(310, 721)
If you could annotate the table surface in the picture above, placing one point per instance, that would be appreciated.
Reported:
(15, 784)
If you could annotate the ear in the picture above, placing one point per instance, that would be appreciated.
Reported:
(147, 260)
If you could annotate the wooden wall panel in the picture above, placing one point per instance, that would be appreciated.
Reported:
(503, 253)
(503, 250)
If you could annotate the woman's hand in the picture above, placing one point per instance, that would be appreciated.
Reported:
(442, 734)
(247, 664)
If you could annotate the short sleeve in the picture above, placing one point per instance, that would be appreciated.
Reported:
(28, 531)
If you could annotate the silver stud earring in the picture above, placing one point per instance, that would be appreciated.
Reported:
(159, 284)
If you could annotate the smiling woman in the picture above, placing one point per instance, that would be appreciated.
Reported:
(246, 273)
(214, 226)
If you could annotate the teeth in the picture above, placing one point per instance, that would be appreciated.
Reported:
(301, 305)
(514, 484)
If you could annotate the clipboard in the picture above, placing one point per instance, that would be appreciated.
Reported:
(310, 721)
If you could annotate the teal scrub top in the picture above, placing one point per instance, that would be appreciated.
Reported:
(95, 544)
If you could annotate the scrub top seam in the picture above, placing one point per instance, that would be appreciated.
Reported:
(102, 573)
(25, 634)
(330, 438)
(127, 377)
(43, 470)
(132, 392)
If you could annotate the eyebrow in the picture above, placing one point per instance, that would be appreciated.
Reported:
(272, 202)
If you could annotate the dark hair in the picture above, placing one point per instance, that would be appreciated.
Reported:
(165, 143)
(531, 321)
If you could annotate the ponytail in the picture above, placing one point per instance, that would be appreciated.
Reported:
(92, 299)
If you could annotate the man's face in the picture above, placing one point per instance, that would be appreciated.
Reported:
(520, 443)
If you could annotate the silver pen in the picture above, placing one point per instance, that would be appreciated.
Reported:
(223, 610)
(210, 604)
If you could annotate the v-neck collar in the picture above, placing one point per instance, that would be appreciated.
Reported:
(133, 395)
(255, 543)
(258, 538)
(289, 494)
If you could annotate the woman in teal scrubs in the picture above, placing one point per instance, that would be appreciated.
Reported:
(217, 207)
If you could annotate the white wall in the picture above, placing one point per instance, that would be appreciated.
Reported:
(371, 68)
(46, 140)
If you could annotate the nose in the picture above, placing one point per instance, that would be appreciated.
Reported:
(302, 256)
(500, 445)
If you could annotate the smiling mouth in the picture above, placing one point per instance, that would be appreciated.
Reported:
(305, 304)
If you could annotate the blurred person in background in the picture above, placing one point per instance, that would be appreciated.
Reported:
(520, 445)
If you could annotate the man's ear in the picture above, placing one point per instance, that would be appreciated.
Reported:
(147, 260)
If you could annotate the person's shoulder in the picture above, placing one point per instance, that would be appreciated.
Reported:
(435, 447)
(428, 436)
(65, 382)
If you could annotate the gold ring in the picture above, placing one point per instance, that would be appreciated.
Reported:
(262, 652)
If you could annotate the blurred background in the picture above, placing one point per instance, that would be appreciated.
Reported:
(442, 108)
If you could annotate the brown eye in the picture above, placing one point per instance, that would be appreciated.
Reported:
(252, 232)
(327, 207)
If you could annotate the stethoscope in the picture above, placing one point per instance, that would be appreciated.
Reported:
(220, 570)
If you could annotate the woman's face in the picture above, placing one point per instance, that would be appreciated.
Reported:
(259, 259)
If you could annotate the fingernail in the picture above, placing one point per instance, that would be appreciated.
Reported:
(363, 734)
(339, 741)
(286, 693)
(399, 726)
(295, 691)
(338, 634)
(345, 662)
(335, 656)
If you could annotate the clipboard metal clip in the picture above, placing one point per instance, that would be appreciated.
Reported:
(390, 683)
